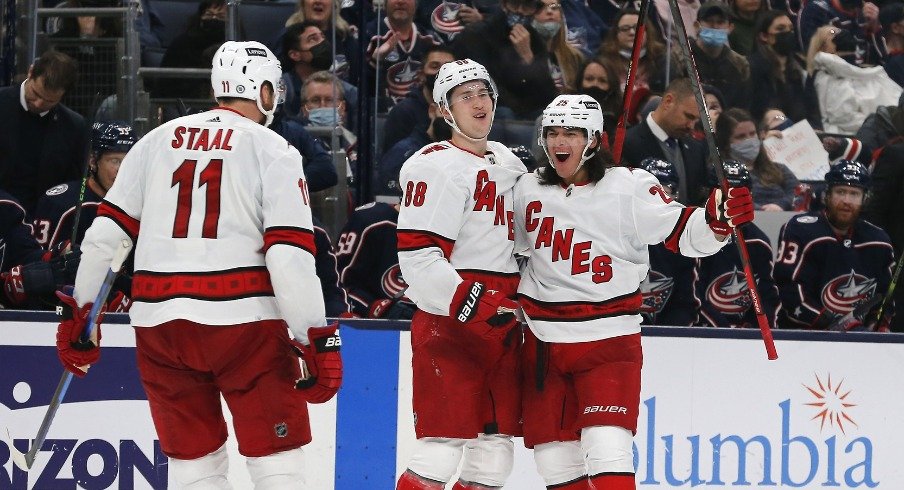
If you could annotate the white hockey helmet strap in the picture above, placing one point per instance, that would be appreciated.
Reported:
(573, 111)
(240, 69)
(453, 74)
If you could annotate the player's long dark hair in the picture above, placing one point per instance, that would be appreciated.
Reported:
(595, 165)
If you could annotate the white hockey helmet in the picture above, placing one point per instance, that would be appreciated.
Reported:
(240, 70)
(455, 73)
(573, 111)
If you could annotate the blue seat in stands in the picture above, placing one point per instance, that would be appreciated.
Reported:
(264, 21)
(175, 15)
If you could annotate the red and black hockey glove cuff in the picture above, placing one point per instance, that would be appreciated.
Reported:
(76, 354)
(323, 362)
(390, 309)
(724, 213)
(14, 286)
(487, 312)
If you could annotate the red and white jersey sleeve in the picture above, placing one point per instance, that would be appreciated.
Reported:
(220, 210)
(456, 218)
(589, 251)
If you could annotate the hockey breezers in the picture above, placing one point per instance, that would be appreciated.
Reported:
(716, 161)
(25, 461)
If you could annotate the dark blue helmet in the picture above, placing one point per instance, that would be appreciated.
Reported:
(112, 136)
(662, 170)
(736, 173)
(848, 172)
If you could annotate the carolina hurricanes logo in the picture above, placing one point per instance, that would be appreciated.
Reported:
(400, 77)
(656, 290)
(728, 293)
(393, 283)
(844, 293)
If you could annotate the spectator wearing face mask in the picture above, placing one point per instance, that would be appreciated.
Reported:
(194, 48)
(773, 183)
(516, 57)
(564, 60)
(320, 12)
(617, 49)
(847, 93)
(597, 78)
(411, 112)
(859, 18)
(323, 104)
(777, 78)
(306, 50)
(717, 64)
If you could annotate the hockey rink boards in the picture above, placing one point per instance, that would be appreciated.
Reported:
(714, 413)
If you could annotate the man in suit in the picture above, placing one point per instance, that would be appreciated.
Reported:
(666, 134)
(42, 142)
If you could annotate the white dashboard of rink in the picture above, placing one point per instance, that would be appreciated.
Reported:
(714, 412)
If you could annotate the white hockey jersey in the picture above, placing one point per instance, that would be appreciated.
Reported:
(588, 251)
(221, 213)
(457, 219)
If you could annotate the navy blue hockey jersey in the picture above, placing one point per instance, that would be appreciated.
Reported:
(668, 297)
(55, 212)
(721, 291)
(17, 245)
(334, 298)
(368, 256)
(816, 270)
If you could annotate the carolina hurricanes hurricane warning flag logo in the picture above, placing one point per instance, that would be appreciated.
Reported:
(845, 292)
(728, 293)
(656, 290)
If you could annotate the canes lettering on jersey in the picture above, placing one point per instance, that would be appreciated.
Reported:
(562, 248)
(485, 199)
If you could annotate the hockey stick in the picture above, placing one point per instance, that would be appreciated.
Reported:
(891, 288)
(25, 461)
(716, 160)
(81, 193)
(639, 32)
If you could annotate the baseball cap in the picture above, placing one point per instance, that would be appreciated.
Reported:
(712, 8)
(891, 13)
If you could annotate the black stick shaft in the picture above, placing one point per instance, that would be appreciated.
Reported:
(716, 161)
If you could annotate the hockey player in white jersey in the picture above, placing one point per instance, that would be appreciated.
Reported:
(224, 261)
(455, 241)
(587, 226)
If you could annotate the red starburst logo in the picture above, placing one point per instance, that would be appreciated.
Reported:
(832, 403)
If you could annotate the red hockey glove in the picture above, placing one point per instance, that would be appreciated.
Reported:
(14, 286)
(724, 214)
(323, 361)
(74, 353)
(390, 309)
(485, 311)
(119, 303)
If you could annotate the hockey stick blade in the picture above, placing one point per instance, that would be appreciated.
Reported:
(119, 256)
(18, 458)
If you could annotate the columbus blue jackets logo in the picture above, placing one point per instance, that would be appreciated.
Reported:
(843, 293)
(400, 77)
(656, 290)
(444, 19)
(728, 293)
(393, 283)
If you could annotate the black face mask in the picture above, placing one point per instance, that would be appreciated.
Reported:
(598, 94)
(441, 129)
(213, 26)
(322, 56)
(785, 43)
(430, 81)
(851, 4)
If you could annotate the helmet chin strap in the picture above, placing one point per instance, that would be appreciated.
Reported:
(451, 122)
(585, 155)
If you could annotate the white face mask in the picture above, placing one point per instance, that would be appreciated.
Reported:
(746, 150)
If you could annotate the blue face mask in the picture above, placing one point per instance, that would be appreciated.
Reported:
(512, 18)
(324, 116)
(713, 38)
